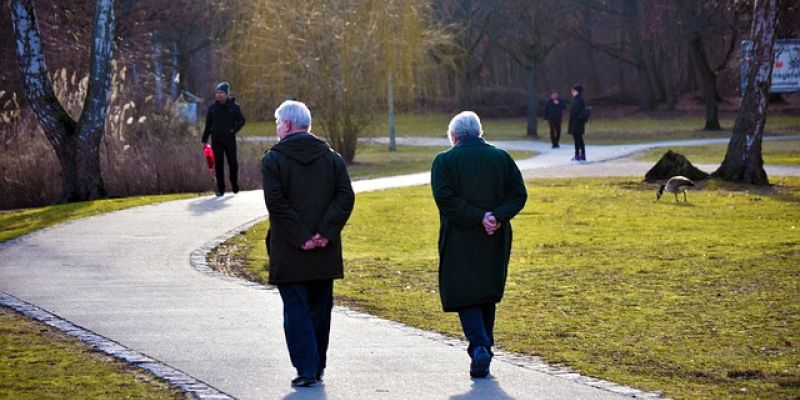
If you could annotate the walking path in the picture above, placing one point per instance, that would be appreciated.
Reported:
(134, 283)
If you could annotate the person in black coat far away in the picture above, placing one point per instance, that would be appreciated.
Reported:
(309, 198)
(553, 112)
(223, 120)
(578, 115)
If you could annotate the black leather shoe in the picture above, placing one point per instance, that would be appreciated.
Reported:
(481, 358)
(303, 381)
(219, 194)
(235, 189)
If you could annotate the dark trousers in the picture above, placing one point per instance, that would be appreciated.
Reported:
(555, 131)
(223, 150)
(478, 325)
(580, 147)
(307, 324)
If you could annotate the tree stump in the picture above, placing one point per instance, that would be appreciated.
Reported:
(671, 164)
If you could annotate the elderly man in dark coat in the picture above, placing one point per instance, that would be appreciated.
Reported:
(478, 189)
(309, 198)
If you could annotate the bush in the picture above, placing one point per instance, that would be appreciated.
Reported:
(146, 149)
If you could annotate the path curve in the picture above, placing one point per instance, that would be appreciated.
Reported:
(126, 277)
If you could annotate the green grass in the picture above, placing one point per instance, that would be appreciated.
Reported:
(376, 160)
(698, 300)
(14, 223)
(38, 362)
(599, 131)
(783, 152)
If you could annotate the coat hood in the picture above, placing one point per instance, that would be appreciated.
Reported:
(302, 147)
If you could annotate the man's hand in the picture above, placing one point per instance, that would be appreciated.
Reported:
(320, 241)
(490, 223)
(314, 242)
(310, 244)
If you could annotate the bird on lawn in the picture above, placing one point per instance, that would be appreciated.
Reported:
(675, 185)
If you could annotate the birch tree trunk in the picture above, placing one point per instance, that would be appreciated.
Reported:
(743, 161)
(77, 144)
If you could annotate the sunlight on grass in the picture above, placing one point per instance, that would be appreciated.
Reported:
(14, 223)
(699, 300)
(783, 152)
(37, 362)
(599, 130)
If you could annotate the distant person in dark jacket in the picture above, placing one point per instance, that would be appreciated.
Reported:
(578, 115)
(553, 113)
(478, 190)
(223, 120)
(309, 198)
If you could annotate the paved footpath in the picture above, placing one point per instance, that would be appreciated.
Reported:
(134, 283)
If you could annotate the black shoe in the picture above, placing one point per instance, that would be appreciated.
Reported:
(235, 189)
(219, 194)
(481, 358)
(320, 374)
(303, 381)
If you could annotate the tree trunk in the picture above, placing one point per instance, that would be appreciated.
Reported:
(709, 82)
(531, 129)
(77, 145)
(743, 161)
(669, 82)
(648, 95)
(390, 104)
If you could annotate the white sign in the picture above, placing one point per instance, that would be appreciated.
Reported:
(785, 69)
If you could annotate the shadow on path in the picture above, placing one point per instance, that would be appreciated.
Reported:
(208, 204)
(315, 393)
(484, 389)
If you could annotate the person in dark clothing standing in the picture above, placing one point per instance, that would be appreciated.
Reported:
(223, 120)
(578, 115)
(309, 198)
(553, 112)
(478, 190)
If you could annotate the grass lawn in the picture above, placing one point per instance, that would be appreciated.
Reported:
(14, 223)
(783, 152)
(376, 160)
(38, 362)
(698, 300)
(599, 130)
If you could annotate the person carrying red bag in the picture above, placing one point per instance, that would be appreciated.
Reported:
(223, 120)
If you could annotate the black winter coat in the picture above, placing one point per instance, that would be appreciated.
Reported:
(578, 115)
(471, 178)
(223, 120)
(552, 111)
(307, 191)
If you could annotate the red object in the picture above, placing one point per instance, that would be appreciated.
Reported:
(209, 154)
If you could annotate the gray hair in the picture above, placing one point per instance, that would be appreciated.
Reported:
(295, 112)
(465, 123)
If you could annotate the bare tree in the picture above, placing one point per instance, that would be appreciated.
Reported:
(336, 56)
(76, 143)
(529, 34)
(743, 161)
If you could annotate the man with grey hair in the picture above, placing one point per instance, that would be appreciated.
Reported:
(309, 198)
(478, 190)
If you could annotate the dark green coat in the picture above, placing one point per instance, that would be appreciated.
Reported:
(307, 191)
(471, 178)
